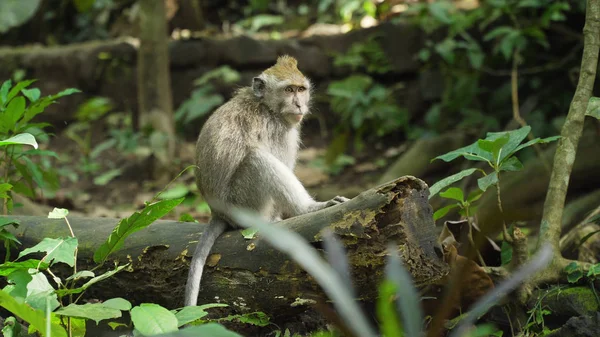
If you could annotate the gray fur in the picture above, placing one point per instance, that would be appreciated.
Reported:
(246, 153)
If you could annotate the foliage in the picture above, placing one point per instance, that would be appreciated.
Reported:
(19, 104)
(497, 150)
(333, 276)
(512, 31)
(14, 13)
(205, 98)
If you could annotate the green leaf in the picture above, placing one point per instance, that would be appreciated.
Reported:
(81, 275)
(487, 181)
(14, 111)
(443, 211)
(190, 314)
(506, 252)
(94, 311)
(435, 188)
(106, 275)
(511, 164)
(7, 268)
(407, 298)
(14, 13)
(40, 294)
(575, 276)
(571, 267)
(118, 303)
(470, 152)
(257, 318)
(515, 137)
(32, 94)
(208, 329)
(593, 108)
(439, 10)
(5, 221)
(65, 92)
(493, 146)
(249, 233)
(4, 91)
(389, 323)
(496, 32)
(106, 177)
(8, 236)
(152, 319)
(177, 191)
(36, 318)
(18, 87)
(186, 217)
(58, 213)
(57, 250)
(535, 141)
(83, 5)
(4, 189)
(137, 221)
(594, 270)
(454, 193)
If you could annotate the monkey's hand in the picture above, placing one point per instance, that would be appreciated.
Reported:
(336, 200)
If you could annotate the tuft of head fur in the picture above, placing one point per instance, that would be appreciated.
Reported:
(286, 68)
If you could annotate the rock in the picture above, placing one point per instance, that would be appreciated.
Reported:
(582, 326)
(572, 301)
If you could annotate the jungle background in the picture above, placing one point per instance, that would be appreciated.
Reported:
(397, 83)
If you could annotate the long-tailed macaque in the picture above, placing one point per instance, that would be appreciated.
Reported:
(245, 157)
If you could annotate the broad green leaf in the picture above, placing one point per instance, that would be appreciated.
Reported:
(94, 311)
(177, 191)
(106, 177)
(535, 141)
(81, 275)
(4, 220)
(493, 146)
(58, 213)
(65, 92)
(7, 268)
(511, 164)
(190, 314)
(14, 13)
(34, 317)
(20, 85)
(571, 267)
(515, 137)
(439, 10)
(57, 250)
(389, 323)
(8, 236)
(506, 252)
(4, 91)
(208, 329)
(40, 293)
(118, 303)
(407, 298)
(137, 221)
(89, 283)
(487, 181)
(443, 211)
(32, 94)
(454, 193)
(470, 152)
(152, 319)
(249, 233)
(14, 111)
(593, 108)
(4, 189)
(594, 270)
(435, 188)
(575, 276)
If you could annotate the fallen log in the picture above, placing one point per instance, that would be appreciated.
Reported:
(249, 274)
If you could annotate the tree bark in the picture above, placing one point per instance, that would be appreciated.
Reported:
(153, 77)
(250, 274)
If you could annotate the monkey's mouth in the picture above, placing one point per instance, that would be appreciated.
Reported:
(297, 116)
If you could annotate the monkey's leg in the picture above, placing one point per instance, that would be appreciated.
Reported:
(215, 228)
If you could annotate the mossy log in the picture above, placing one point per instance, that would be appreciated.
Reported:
(250, 274)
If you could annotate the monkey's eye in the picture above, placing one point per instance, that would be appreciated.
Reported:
(289, 89)
(301, 89)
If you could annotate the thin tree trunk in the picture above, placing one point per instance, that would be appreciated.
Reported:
(153, 77)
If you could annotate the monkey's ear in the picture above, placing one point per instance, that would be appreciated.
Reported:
(258, 86)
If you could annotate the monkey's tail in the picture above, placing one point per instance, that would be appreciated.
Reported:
(215, 228)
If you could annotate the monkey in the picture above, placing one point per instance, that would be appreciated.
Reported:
(245, 156)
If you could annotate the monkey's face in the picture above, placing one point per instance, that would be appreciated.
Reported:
(294, 102)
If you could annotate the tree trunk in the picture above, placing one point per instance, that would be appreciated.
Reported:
(250, 274)
(153, 78)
